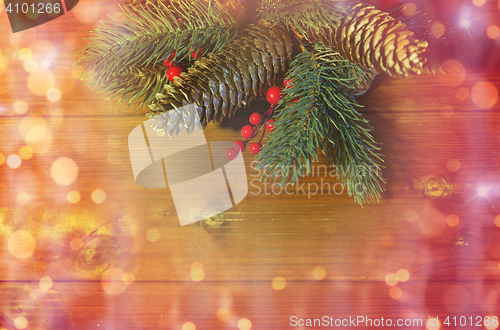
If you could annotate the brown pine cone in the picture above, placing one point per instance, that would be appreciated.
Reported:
(375, 40)
(221, 83)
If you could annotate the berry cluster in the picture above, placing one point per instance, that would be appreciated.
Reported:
(175, 70)
(258, 121)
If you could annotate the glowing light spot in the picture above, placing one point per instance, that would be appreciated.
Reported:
(153, 235)
(482, 191)
(73, 197)
(45, 283)
(493, 32)
(464, 23)
(395, 293)
(14, 161)
(188, 326)
(453, 165)
(30, 66)
(26, 152)
(40, 81)
(87, 11)
(409, 9)
(44, 52)
(21, 244)
(391, 279)
(403, 275)
(455, 73)
(64, 171)
(319, 273)
(484, 95)
(128, 278)
(411, 215)
(223, 314)
(111, 281)
(491, 322)
(33, 129)
(53, 95)
(20, 322)
(24, 54)
(2, 159)
(478, 3)
(438, 29)
(452, 220)
(462, 93)
(497, 221)
(76, 244)
(433, 324)
(23, 198)
(197, 272)
(98, 196)
(278, 283)
(244, 324)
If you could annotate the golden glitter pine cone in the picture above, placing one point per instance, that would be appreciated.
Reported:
(375, 40)
(225, 81)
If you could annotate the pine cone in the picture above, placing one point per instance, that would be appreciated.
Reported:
(375, 40)
(221, 83)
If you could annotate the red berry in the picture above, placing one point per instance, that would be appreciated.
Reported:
(286, 82)
(231, 154)
(296, 99)
(247, 131)
(270, 125)
(256, 147)
(197, 54)
(255, 118)
(240, 146)
(168, 61)
(174, 71)
(273, 95)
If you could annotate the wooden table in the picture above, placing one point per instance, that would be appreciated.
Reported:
(100, 252)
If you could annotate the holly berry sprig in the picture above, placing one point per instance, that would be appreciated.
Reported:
(258, 121)
(174, 69)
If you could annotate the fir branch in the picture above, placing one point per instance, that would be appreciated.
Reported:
(146, 34)
(313, 19)
(323, 117)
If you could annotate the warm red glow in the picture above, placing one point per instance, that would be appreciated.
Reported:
(493, 32)
(484, 95)
(452, 220)
(453, 165)
(438, 29)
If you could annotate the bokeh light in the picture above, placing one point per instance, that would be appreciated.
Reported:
(197, 272)
(14, 161)
(24, 54)
(98, 196)
(153, 235)
(433, 323)
(25, 152)
(223, 314)
(497, 221)
(87, 11)
(2, 159)
(44, 52)
(244, 324)
(21, 244)
(403, 275)
(40, 81)
(76, 244)
(53, 95)
(20, 322)
(478, 3)
(33, 129)
(45, 283)
(279, 283)
(452, 220)
(453, 165)
(23, 198)
(73, 196)
(128, 278)
(391, 279)
(462, 93)
(319, 273)
(64, 171)
(188, 326)
(409, 9)
(484, 95)
(491, 322)
(111, 281)
(493, 32)
(30, 66)
(395, 293)
(455, 73)
(437, 29)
